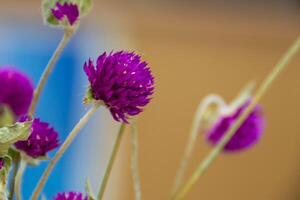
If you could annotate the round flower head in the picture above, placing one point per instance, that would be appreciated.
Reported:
(122, 81)
(70, 196)
(42, 139)
(247, 135)
(68, 10)
(16, 90)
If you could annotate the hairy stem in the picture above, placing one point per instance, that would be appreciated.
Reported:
(111, 162)
(61, 151)
(18, 179)
(134, 163)
(49, 68)
(283, 62)
(209, 100)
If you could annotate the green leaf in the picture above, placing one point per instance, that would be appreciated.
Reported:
(7, 117)
(14, 154)
(13, 133)
(88, 190)
(5, 169)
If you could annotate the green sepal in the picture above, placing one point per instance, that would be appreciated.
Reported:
(13, 133)
(34, 161)
(84, 7)
(88, 97)
(47, 15)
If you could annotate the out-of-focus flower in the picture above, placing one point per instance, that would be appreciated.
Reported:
(1, 163)
(68, 10)
(122, 82)
(247, 135)
(42, 139)
(70, 196)
(16, 90)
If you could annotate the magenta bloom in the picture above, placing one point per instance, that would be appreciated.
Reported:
(1, 163)
(42, 139)
(70, 196)
(246, 136)
(122, 81)
(68, 10)
(16, 90)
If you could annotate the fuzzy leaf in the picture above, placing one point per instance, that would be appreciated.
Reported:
(13, 133)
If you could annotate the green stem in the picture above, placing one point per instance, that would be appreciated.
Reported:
(283, 62)
(111, 162)
(134, 163)
(49, 68)
(61, 151)
(13, 179)
(18, 179)
(210, 99)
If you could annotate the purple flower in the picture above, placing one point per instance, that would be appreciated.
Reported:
(16, 90)
(70, 196)
(122, 81)
(69, 10)
(1, 163)
(247, 135)
(42, 139)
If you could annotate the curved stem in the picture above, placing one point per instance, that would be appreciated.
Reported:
(207, 101)
(18, 179)
(134, 163)
(61, 151)
(49, 68)
(111, 162)
(283, 62)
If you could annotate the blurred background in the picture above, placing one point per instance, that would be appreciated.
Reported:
(194, 48)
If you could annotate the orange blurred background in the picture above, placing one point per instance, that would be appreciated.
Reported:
(196, 48)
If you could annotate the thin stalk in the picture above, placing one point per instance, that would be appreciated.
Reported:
(13, 180)
(283, 62)
(111, 162)
(209, 100)
(61, 151)
(18, 179)
(134, 162)
(49, 68)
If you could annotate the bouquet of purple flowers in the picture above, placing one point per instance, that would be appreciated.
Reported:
(122, 82)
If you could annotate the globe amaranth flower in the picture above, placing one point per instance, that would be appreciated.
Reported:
(70, 196)
(42, 139)
(66, 10)
(16, 90)
(122, 81)
(247, 135)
